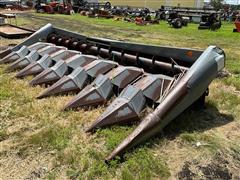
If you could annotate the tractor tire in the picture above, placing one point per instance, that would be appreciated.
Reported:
(184, 22)
(177, 23)
(107, 5)
(215, 26)
(72, 12)
(163, 16)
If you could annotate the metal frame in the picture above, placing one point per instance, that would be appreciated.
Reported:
(172, 80)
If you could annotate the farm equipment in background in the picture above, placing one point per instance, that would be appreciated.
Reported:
(99, 13)
(145, 20)
(16, 5)
(131, 12)
(194, 14)
(82, 5)
(14, 32)
(5, 3)
(167, 80)
(237, 24)
(139, 16)
(177, 21)
(160, 14)
(119, 11)
(212, 22)
(9, 28)
(55, 7)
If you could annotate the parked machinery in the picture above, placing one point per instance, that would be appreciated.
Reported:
(55, 7)
(160, 14)
(99, 13)
(168, 80)
(15, 5)
(212, 22)
(82, 5)
(237, 24)
(177, 21)
(119, 11)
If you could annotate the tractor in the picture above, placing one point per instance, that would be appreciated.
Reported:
(177, 21)
(212, 22)
(54, 7)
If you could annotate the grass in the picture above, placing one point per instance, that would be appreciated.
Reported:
(154, 34)
(3, 134)
(53, 137)
(37, 130)
(233, 81)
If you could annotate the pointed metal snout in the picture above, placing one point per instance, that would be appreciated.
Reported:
(66, 60)
(49, 55)
(156, 121)
(15, 55)
(128, 106)
(36, 54)
(24, 61)
(102, 87)
(46, 77)
(95, 94)
(65, 84)
(124, 109)
(51, 75)
(23, 51)
(35, 67)
(78, 78)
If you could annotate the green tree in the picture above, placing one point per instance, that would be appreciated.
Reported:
(217, 4)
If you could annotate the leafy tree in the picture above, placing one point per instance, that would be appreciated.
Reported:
(217, 4)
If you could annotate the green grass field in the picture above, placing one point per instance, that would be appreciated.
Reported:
(37, 140)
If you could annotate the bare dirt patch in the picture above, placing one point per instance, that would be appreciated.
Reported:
(219, 167)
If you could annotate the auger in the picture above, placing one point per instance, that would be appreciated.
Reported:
(135, 76)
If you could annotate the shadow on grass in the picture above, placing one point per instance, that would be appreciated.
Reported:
(189, 126)
(197, 121)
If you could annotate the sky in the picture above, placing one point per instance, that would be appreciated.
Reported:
(228, 1)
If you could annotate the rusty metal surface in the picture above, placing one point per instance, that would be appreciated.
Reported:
(170, 78)
(48, 56)
(15, 55)
(22, 52)
(79, 77)
(101, 89)
(14, 32)
(186, 91)
(128, 106)
(57, 71)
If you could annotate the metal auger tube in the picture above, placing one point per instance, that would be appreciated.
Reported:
(187, 91)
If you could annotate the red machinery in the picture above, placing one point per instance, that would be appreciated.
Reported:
(237, 24)
(55, 7)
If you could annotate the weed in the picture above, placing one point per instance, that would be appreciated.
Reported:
(3, 135)
(72, 173)
(114, 135)
(52, 137)
(206, 141)
(233, 81)
(51, 176)
(141, 164)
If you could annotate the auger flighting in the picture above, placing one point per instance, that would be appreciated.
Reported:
(134, 76)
